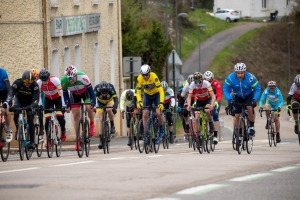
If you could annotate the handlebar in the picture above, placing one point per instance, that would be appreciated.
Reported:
(12, 109)
(262, 110)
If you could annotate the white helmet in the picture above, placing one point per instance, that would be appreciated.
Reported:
(271, 84)
(240, 67)
(164, 85)
(145, 69)
(297, 80)
(190, 78)
(208, 75)
(71, 71)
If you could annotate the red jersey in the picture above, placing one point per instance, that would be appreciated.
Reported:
(216, 86)
(201, 93)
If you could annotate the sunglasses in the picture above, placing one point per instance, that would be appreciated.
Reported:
(198, 82)
(272, 87)
(28, 82)
(145, 75)
(71, 78)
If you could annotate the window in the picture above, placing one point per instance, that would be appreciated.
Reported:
(55, 63)
(96, 63)
(77, 57)
(265, 4)
(66, 57)
(112, 63)
(288, 2)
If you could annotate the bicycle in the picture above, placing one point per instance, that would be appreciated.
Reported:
(53, 133)
(191, 136)
(298, 132)
(38, 139)
(4, 146)
(83, 137)
(166, 137)
(209, 145)
(151, 136)
(133, 127)
(140, 136)
(272, 134)
(105, 136)
(229, 111)
(22, 135)
(244, 140)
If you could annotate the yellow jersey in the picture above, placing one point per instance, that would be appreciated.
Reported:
(150, 86)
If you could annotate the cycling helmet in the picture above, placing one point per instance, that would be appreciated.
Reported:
(198, 76)
(190, 78)
(44, 75)
(129, 95)
(271, 84)
(164, 85)
(240, 67)
(145, 69)
(28, 77)
(208, 75)
(35, 73)
(71, 71)
(297, 80)
(103, 87)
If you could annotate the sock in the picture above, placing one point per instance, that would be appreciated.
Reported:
(215, 133)
(92, 122)
(112, 123)
(251, 124)
(296, 122)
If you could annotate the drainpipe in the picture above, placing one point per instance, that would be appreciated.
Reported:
(45, 44)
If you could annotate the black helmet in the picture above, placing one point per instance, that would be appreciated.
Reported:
(28, 77)
(104, 87)
(198, 76)
(44, 75)
(129, 95)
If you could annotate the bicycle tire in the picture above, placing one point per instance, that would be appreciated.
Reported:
(147, 137)
(212, 144)
(50, 148)
(135, 127)
(208, 136)
(200, 144)
(299, 130)
(234, 134)
(131, 134)
(274, 136)
(87, 143)
(28, 152)
(5, 147)
(190, 136)
(107, 138)
(164, 138)
(59, 143)
(168, 138)
(79, 142)
(40, 141)
(270, 133)
(249, 144)
(140, 136)
(21, 141)
(240, 138)
(156, 138)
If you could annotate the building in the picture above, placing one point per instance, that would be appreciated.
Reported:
(53, 34)
(256, 9)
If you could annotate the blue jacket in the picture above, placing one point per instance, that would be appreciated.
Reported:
(241, 88)
(272, 97)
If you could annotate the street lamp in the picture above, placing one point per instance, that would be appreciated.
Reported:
(179, 15)
(289, 60)
(200, 26)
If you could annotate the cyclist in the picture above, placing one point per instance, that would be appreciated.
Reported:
(246, 89)
(274, 101)
(204, 97)
(293, 100)
(51, 86)
(106, 95)
(5, 97)
(182, 96)
(80, 88)
(153, 94)
(216, 86)
(26, 93)
(126, 100)
(169, 103)
(35, 74)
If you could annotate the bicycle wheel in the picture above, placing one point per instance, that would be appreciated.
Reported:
(156, 140)
(240, 138)
(200, 144)
(28, 152)
(234, 134)
(208, 141)
(299, 130)
(212, 144)
(87, 143)
(21, 140)
(40, 141)
(164, 138)
(269, 133)
(190, 136)
(131, 134)
(140, 137)
(50, 143)
(168, 137)
(79, 141)
(107, 137)
(147, 138)
(135, 129)
(59, 143)
(249, 144)
(274, 138)
(5, 147)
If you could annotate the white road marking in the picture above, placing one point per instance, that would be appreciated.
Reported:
(164, 198)
(283, 169)
(154, 156)
(117, 158)
(250, 177)
(77, 163)
(190, 153)
(18, 170)
(201, 189)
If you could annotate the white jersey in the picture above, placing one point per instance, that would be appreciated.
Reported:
(123, 101)
(295, 91)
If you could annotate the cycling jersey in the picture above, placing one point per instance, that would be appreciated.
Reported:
(25, 95)
(150, 86)
(5, 88)
(295, 91)
(111, 95)
(124, 102)
(169, 97)
(52, 90)
(81, 85)
(3, 76)
(216, 86)
(274, 98)
(241, 88)
(201, 93)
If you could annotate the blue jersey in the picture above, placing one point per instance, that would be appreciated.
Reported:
(241, 88)
(3, 76)
(273, 98)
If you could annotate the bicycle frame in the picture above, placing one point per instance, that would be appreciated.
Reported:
(151, 130)
(271, 126)
(105, 136)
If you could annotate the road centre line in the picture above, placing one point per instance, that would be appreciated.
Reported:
(201, 189)
(250, 177)
(76, 163)
(283, 169)
(18, 170)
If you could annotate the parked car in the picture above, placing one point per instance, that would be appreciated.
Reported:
(227, 14)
